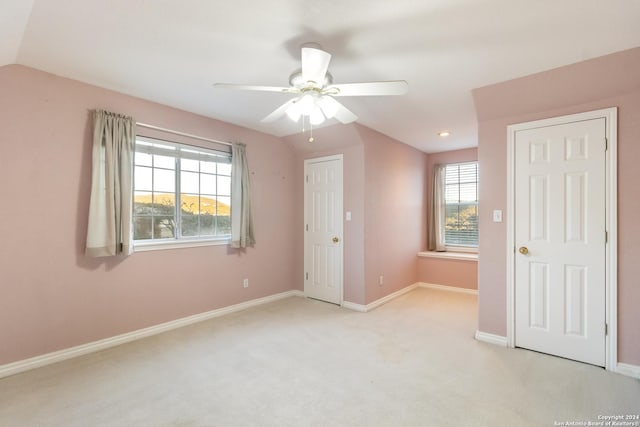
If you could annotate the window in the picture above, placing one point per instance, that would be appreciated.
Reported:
(461, 205)
(181, 193)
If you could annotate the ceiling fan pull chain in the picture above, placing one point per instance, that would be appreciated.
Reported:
(310, 131)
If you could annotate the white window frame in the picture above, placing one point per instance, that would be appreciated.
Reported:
(464, 248)
(179, 241)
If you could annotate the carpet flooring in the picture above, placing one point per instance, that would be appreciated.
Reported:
(300, 362)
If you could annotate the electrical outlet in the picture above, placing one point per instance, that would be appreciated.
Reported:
(245, 283)
(380, 280)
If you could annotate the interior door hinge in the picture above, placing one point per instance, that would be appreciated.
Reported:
(306, 227)
(606, 144)
(606, 236)
(606, 329)
(306, 178)
(306, 276)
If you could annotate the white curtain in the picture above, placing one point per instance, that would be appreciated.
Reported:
(437, 214)
(241, 219)
(109, 230)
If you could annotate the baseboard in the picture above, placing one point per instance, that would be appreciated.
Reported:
(377, 303)
(92, 347)
(491, 338)
(355, 307)
(364, 308)
(628, 370)
(448, 288)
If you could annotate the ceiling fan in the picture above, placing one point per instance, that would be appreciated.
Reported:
(316, 92)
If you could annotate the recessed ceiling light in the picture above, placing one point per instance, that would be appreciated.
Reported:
(444, 133)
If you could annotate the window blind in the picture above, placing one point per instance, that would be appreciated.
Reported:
(461, 204)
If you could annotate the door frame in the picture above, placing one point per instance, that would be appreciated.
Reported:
(611, 223)
(307, 162)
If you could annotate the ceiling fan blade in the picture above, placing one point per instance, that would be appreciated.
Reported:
(395, 87)
(255, 88)
(279, 112)
(315, 63)
(344, 115)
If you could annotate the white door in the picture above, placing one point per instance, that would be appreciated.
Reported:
(560, 240)
(323, 229)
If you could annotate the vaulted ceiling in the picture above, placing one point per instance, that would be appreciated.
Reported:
(172, 51)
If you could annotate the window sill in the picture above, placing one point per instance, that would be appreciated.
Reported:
(173, 244)
(461, 256)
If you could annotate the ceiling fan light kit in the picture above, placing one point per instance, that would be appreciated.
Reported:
(316, 90)
(293, 112)
(329, 106)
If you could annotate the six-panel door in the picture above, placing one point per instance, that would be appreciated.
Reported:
(560, 240)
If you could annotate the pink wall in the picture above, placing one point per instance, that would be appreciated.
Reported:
(450, 272)
(52, 296)
(395, 213)
(608, 81)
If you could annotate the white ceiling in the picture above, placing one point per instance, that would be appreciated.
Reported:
(172, 51)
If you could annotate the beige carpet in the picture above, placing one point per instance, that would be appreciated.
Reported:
(298, 362)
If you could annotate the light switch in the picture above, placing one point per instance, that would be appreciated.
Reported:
(497, 216)
(348, 216)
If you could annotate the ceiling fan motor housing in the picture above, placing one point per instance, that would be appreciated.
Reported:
(296, 80)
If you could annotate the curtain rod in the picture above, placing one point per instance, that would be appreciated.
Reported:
(175, 132)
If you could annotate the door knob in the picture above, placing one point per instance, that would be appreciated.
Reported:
(523, 250)
(335, 240)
